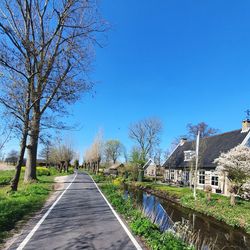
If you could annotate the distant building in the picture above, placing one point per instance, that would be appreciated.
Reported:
(150, 168)
(180, 164)
(114, 169)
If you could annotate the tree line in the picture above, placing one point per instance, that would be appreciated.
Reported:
(45, 56)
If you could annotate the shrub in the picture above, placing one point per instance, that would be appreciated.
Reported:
(99, 178)
(42, 171)
(118, 181)
(5, 180)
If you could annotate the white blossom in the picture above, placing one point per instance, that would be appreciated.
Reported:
(237, 163)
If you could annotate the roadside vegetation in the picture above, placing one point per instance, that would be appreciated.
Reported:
(139, 224)
(16, 206)
(218, 207)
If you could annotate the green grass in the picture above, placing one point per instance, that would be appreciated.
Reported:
(139, 224)
(15, 206)
(6, 176)
(219, 207)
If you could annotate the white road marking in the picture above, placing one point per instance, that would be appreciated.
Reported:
(132, 238)
(28, 237)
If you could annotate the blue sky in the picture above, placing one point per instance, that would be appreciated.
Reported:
(181, 61)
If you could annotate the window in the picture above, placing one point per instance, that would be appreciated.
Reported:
(186, 176)
(189, 155)
(214, 180)
(171, 174)
(202, 177)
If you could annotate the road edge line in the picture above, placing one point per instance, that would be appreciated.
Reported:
(35, 228)
(132, 238)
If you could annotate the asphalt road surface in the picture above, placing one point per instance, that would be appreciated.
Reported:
(81, 219)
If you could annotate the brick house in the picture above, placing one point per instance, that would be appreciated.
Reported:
(180, 164)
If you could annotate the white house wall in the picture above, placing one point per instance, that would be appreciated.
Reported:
(223, 182)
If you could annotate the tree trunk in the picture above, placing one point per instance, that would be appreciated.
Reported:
(208, 196)
(15, 180)
(232, 199)
(30, 170)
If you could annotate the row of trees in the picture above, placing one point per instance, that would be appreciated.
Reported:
(45, 52)
(146, 135)
(99, 150)
(93, 155)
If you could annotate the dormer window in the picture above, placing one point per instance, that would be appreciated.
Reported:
(189, 155)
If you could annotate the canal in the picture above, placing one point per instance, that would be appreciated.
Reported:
(206, 233)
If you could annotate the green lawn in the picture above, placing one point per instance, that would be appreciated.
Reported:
(6, 176)
(28, 199)
(219, 206)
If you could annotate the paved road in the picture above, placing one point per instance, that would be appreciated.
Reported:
(80, 220)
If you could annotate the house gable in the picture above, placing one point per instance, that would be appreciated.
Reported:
(210, 148)
(150, 162)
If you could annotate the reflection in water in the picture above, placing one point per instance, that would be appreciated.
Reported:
(207, 233)
(155, 211)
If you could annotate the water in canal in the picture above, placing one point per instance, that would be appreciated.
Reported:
(207, 233)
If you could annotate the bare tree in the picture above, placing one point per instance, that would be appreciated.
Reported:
(46, 47)
(125, 154)
(61, 155)
(158, 156)
(112, 150)
(204, 129)
(146, 133)
(45, 152)
(12, 157)
(15, 98)
(93, 154)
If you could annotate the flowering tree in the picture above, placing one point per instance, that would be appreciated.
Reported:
(236, 163)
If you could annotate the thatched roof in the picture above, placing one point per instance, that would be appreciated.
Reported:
(116, 166)
(210, 148)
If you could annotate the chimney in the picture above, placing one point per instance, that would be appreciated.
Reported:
(182, 141)
(245, 126)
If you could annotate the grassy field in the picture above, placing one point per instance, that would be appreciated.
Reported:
(218, 207)
(28, 199)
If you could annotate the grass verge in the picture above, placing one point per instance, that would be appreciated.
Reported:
(139, 224)
(218, 207)
(29, 198)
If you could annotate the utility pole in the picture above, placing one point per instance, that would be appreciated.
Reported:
(196, 162)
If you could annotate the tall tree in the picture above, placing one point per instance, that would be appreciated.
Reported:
(46, 46)
(93, 154)
(61, 155)
(12, 157)
(112, 150)
(204, 129)
(15, 98)
(158, 156)
(146, 133)
(45, 152)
